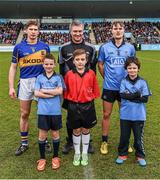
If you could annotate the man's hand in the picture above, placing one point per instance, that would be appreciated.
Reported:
(12, 93)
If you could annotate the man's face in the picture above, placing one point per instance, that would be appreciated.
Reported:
(117, 31)
(32, 32)
(77, 34)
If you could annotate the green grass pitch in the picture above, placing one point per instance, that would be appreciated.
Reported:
(100, 166)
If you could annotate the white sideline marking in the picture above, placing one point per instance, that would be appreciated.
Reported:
(88, 171)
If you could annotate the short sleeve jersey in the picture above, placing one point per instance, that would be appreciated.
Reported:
(130, 110)
(114, 58)
(49, 106)
(29, 57)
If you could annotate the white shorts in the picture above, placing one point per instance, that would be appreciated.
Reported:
(26, 89)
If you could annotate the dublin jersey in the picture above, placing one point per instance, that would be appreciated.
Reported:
(114, 58)
(131, 110)
(29, 57)
(49, 106)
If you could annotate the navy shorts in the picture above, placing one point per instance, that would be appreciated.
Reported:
(47, 122)
(111, 96)
(81, 115)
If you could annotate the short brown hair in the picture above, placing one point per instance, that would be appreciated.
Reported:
(115, 23)
(50, 56)
(32, 22)
(78, 52)
(132, 60)
(75, 22)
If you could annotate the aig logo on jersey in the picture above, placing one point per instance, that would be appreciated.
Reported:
(117, 61)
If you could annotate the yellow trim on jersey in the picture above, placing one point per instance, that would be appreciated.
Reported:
(32, 59)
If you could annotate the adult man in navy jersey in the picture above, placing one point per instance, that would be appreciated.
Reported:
(28, 55)
(66, 64)
(111, 59)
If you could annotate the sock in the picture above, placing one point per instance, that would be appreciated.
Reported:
(24, 138)
(105, 138)
(56, 143)
(46, 140)
(76, 143)
(42, 148)
(69, 132)
(85, 142)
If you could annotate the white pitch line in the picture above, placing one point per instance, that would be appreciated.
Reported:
(88, 171)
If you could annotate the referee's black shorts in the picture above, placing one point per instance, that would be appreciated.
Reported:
(81, 115)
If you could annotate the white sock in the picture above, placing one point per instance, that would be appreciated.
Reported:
(85, 142)
(76, 143)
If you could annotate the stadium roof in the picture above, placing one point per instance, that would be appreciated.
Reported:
(79, 8)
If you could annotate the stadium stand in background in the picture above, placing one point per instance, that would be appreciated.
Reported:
(95, 32)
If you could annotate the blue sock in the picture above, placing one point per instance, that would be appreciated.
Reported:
(42, 149)
(105, 138)
(56, 143)
(24, 138)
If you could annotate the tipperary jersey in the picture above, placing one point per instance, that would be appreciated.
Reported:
(29, 57)
(114, 58)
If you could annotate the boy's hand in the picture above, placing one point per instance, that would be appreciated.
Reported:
(137, 94)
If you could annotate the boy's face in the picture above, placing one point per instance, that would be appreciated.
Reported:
(132, 70)
(48, 65)
(80, 61)
(32, 32)
(118, 31)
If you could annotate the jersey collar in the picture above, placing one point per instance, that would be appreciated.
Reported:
(54, 73)
(81, 75)
(132, 81)
(113, 41)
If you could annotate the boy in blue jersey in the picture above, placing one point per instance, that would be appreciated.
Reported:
(28, 55)
(134, 93)
(48, 88)
(112, 56)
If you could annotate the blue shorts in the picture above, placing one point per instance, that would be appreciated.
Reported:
(47, 122)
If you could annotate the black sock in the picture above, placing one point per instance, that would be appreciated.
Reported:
(69, 132)
(42, 149)
(105, 138)
(56, 143)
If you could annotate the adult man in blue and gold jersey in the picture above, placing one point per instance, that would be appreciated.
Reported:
(111, 59)
(28, 55)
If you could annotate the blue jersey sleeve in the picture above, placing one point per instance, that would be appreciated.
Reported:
(145, 91)
(61, 83)
(133, 52)
(101, 55)
(37, 84)
(15, 55)
(47, 49)
(122, 87)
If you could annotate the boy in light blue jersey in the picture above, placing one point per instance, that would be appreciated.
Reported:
(134, 93)
(111, 60)
(48, 88)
